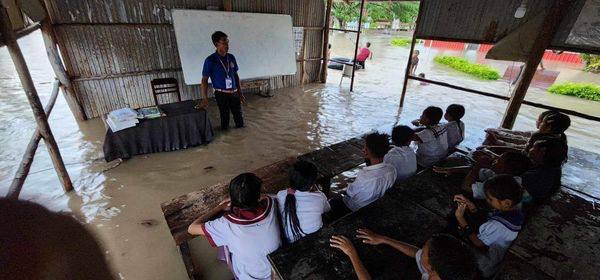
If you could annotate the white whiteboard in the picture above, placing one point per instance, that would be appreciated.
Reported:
(263, 44)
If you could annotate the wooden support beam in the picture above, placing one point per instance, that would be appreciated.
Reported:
(17, 184)
(303, 62)
(541, 42)
(186, 255)
(408, 63)
(360, 16)
(326, 41)
(34, 100)
(227, 5)
(22, 32)
(60, 72)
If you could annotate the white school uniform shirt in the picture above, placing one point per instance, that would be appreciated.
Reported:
(434, 145)
(484, 175)
(249, 241)
(498, 238)
(404, 160)
(456, 133)
(418, 257)
(309, 208)
(370, 184)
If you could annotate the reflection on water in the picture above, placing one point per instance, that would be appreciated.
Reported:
(122, 205)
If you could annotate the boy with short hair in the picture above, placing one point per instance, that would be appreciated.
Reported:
(432, 141)
(401, 156)
(246, 216)
(455, 127)
(494, 237)
(442, 256)
(371, 182)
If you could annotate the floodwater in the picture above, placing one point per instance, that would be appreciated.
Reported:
(121, 205)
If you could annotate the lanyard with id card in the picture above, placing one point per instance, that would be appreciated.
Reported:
(228, 80)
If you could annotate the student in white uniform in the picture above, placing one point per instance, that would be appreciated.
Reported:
(302, 205)
(455, 127)
(442, 256)
(432, 141)
(371, 182)
(401, 155)
(246, 216)
(494, 237)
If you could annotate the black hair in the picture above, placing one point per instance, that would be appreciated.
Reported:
(451, 258)
(417, 52)
(456, 111)
(368, 44)
(503, 187)
(244, 190)
(546, 113)
(433, 114)
(378, 144)
(302, 176)
(217, 36)
(555, 150)
(558, 122)
(329, 46)
(422, 75)
(401, 135)
(517, 162)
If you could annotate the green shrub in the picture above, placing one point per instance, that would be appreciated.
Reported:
(581, 90)
(462, 65)
(402, 42)
(592, 62)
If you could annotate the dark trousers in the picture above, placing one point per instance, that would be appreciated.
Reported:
(229, 102)
(338, 210)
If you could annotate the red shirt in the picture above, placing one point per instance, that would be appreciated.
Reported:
(363, 54)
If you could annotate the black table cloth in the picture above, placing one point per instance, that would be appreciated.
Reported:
(182, 127)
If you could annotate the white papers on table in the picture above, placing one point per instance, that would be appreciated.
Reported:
(121, 119)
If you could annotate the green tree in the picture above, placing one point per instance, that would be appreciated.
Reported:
(405, 11)
(380, 11)
(592, 62)
(345, 12)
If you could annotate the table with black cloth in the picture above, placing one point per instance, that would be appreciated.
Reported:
(183, 127)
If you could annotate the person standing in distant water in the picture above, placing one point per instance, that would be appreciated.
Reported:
(414, 61)
(221, 67)
(363, 54)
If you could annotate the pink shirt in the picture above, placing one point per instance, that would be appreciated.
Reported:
(363, 54)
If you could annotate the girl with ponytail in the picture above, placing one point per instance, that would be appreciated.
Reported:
(302, 203)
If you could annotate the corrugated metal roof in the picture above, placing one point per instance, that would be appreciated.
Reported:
(487, 21)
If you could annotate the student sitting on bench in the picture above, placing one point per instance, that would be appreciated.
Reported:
(247, 231)
(494, 237)
(432, 141)
(455, 127)
(371, 182)
(512, 138)
(442, 256)
(302, 205)
(401, 156)
(547, 157)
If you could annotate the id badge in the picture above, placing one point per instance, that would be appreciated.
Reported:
(228, 83)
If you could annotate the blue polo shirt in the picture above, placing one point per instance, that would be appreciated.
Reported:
(215, 67)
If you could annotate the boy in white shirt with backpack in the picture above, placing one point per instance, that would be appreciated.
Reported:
(432, 139)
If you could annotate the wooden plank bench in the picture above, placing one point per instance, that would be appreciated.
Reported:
(559, 239)
(181, 211)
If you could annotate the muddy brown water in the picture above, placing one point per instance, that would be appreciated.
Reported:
(121, 206)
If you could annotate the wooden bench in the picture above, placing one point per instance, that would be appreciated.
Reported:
(181, 211)
(559, 239)
(262, 85)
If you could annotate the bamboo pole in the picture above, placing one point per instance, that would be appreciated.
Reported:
(59, 70)
(326, 41)
(542, 41)
(409, 62)
(17, 184)
(362, 6)
(303, 62)
(34, 99)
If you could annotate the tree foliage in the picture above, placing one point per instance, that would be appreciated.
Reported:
(377, 11)
(592, 62)
(345, 12)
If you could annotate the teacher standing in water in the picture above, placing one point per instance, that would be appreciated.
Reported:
(221, 67)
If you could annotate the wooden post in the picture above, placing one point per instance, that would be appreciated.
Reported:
(17, 184)
(303, 55)
(542, 41)
(408, 63)
(60, 72)
(362, 5)
(326, 41)
(186, 255)
(227, 5)
(34, 99)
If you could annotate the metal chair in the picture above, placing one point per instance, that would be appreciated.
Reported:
(165, 86)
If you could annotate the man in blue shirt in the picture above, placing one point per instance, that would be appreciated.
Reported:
(221, 67)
